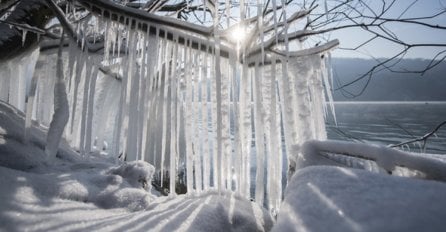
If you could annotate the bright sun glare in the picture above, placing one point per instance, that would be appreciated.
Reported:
(238, 34)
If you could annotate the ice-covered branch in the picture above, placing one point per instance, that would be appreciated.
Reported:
(118, 12)
(330, 45)
(385, 157)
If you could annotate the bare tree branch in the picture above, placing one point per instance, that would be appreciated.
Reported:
(423, 138)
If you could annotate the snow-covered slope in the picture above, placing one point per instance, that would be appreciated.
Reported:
(99, 195)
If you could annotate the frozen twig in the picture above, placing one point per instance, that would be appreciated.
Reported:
(423, 138)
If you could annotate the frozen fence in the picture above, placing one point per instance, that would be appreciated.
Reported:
(181, 103)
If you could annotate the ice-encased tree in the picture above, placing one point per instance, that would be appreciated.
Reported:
(193, 79)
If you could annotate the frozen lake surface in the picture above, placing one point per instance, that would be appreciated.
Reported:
(390, 123)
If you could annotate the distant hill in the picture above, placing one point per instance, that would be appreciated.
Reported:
(390, 86)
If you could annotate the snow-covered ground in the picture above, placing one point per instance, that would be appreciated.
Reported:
(74, 194)
(323, 198)
(97, 194)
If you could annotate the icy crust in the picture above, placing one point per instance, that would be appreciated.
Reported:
(326, 198)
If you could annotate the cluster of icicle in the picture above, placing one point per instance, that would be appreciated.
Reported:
(228, 125)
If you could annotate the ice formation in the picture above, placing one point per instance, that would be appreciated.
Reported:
(190, 107)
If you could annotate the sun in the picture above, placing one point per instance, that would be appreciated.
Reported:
(238, 34)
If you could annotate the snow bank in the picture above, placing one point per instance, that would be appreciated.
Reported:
(137, 173)
(98, 195)
(80, 200)
(326, 198)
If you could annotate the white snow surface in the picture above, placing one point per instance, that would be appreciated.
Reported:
(95, 194)
(76, 194)
(326, 198)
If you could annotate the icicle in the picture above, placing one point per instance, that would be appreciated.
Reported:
(328, 83)
(173, 115)
(79, 75)
(85, 107)
(5, 76)
(161, 105)
(286, 107)
(30, 106)
(236, 156)
(189, 120)
(119, 118)
(105, 102)
(275, 155)
(24, 32)
(119, 35)
(32, 92)
(108, 40)
(21, 70)
(166, 110)
(144, 79)
(194, 140)
(72, 49)
(133, 101)
(220, 169)
(205, 114)
(259, 135)
(225, 125)
(245, 131)
(197, 157)
(213, 120)
(153, 99)
(318, 98)
(92, 88)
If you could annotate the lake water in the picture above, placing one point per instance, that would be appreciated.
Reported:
(390, 123)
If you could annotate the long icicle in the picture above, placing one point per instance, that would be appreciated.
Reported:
(259, 135)
(162, 72)
(173, 116)
(189, 122)
(205, 115)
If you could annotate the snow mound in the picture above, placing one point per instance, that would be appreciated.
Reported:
(137, 173)
(322, 198)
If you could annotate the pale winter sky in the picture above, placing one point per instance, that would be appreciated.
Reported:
(407, 32)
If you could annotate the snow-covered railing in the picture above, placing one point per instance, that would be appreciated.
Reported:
(216, 118)
(388, 159)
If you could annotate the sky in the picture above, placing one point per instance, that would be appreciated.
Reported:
(350, 38)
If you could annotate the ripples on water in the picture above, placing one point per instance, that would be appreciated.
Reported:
(387, 123)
